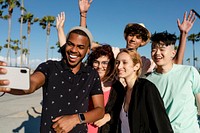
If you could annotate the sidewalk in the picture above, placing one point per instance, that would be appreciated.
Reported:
(20, 114)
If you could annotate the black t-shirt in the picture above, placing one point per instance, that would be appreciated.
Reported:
(66, 93)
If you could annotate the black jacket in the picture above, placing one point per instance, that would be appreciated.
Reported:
(116, 97)
(146, 110)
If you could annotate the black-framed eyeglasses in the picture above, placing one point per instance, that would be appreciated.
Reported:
(103, 63)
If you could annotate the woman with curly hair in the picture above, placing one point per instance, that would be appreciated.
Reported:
(102, 59)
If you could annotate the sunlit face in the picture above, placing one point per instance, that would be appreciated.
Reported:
(125, 66)
(134, 41)
(76, 49)
(101, 65)
(162, 55)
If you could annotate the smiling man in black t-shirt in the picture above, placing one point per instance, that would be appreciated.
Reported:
(67, 86)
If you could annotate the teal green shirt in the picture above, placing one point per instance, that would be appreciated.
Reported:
(177, 88)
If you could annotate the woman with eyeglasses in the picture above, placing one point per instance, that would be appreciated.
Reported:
(102, 59)
(141, 109)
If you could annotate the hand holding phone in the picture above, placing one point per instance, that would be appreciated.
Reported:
(19, 77)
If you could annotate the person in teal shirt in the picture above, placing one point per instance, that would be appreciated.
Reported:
(177, 84)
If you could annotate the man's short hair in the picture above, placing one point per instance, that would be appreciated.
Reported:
(165, 37)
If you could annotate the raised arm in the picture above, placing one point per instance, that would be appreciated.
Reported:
(84, 6)
(60, 21)
(184, 28)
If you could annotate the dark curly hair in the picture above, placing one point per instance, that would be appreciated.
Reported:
(104, 50)
(137, 29)
(165, 37)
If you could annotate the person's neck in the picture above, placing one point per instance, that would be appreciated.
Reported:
(130, 81)
(74, 69)
(164, 69)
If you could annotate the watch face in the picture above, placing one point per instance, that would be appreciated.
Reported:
(81, 117)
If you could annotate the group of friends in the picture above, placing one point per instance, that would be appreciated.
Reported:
(117, 91)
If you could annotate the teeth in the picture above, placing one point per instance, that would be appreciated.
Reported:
(158, 57)
(73, 56)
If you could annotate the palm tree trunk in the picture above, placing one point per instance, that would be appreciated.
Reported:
(21, 30)
(28, 54)
(26, 61)
(8, 49)
(47, 47)
(193, 55)
(52, 54)
(15, 59)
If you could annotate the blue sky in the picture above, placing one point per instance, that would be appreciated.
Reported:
(106, 20)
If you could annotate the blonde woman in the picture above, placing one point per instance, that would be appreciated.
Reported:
(142, 109)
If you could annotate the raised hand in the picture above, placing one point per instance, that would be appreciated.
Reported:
(84, 5)
(187, 22)
(60, 20)
(184, 28)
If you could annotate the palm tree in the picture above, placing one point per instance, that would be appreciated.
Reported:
(52, 48)
(1, 13)
(15, 48)
(25, 52)
(21, 29)
(1, 48)
(58, 46)
(188, 60)
(6, 46)
(21, 54)
(196, 60)
(46, 22)
(23, 41)
(29, 19)
(194, 38)
(10, 4)
(198, 35)
(23, 38)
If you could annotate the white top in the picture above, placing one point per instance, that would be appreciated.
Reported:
(124, 119)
